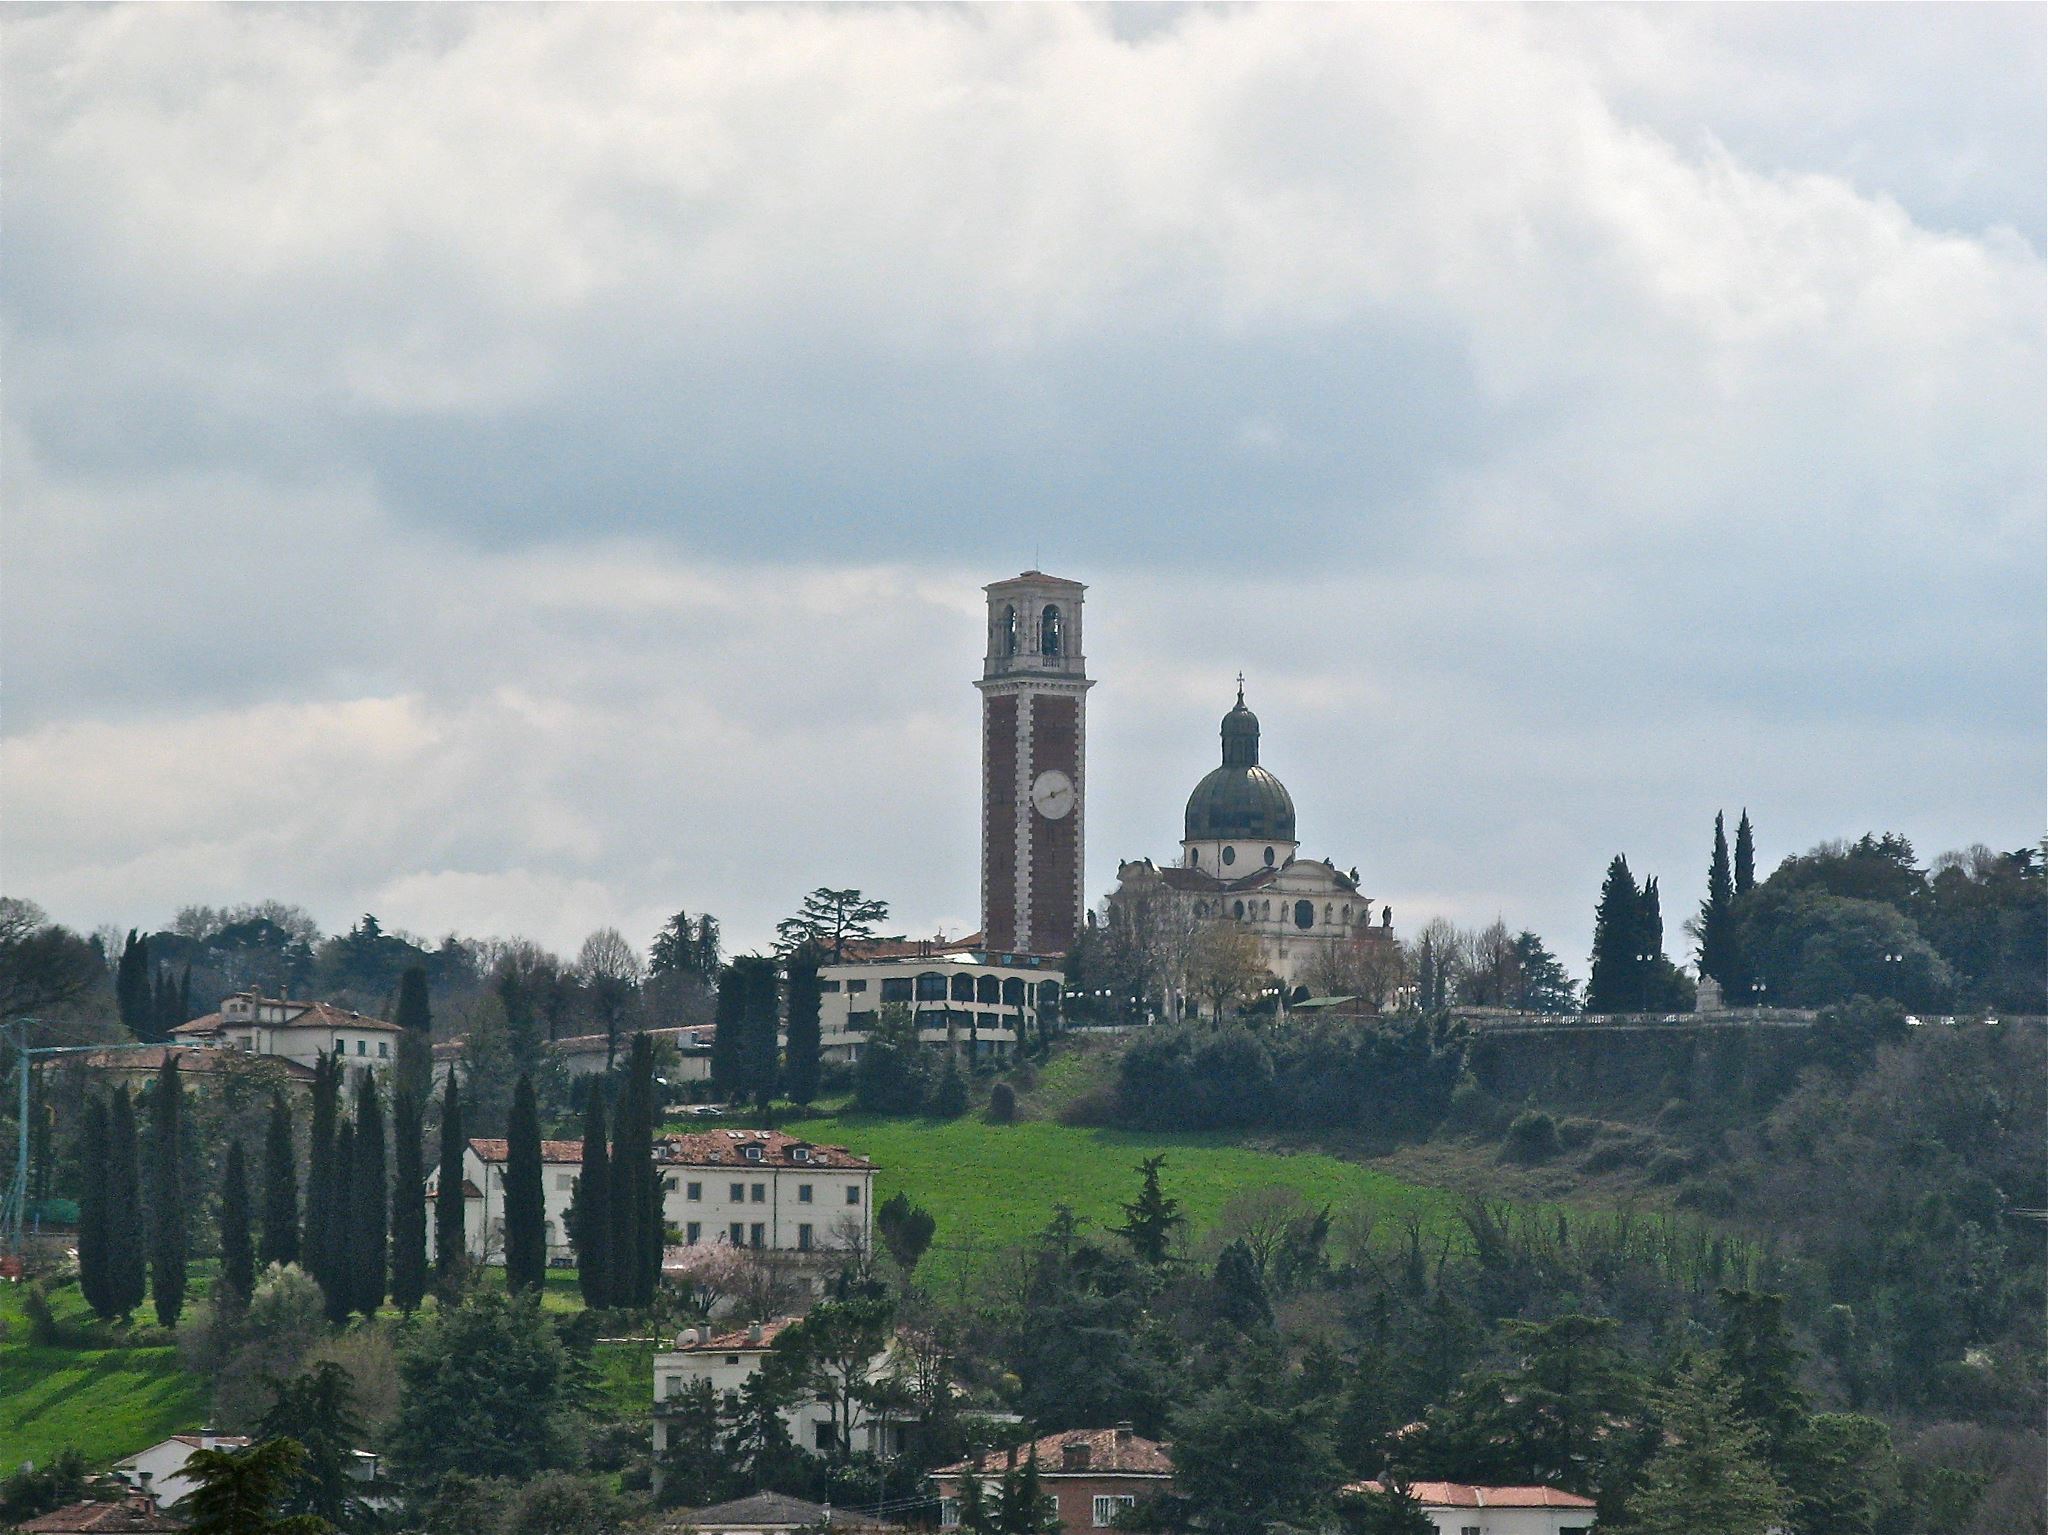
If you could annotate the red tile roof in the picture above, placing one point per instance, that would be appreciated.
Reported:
(859, 950)
(739, 1342)
(192, 1059)
(1111, 1451)
(130, 1516)
(497, 1150)
(727, 1148)
(1463, 1495)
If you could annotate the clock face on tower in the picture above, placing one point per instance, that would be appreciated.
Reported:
(1052, 794)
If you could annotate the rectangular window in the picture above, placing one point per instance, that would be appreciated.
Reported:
(1108, 1506)
(668, 1185)
(826, 1438)
(1469, 1529)
(362, 1047)
(672, 1386)
(760, 1234)
(856, 985)
(738, 1234)
(828, 985)
(860, 1021)
(739, 1193)
(760, 1193)
(896, 989)
(949, 1513)
(694, 1191)
(694, 1232)
(853, 1193)
(803, 1239)
(803, 1193)
(1574, 1529)
(565, 1181)
(384, 1048)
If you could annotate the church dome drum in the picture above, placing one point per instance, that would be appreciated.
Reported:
(1240, 800)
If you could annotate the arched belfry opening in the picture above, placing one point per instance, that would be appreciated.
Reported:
(1006, 631)
(1051, 634)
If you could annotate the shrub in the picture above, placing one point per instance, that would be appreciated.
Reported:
(1574, 1133)
(1531, 1138)
(1002, 1104)
(1474, 1110)
(1669, 1166)
(949, 1096)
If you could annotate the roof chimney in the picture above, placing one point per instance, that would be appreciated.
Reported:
(1123, 1432)
(1076, 1455)
(753, 1332)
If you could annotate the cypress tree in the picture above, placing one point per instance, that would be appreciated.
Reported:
(127, 1267)
(370, 1196)
(1717, 913)
(237, 1255)
(800, 1064)
(415, 1019)
(653, 1235)
(526, 1253)
(337, 1284)
(163, 1005)
(280, 1187)
(592, 1220)
(754, 1076)
(624, 1201)
(1617, 926)
(1745, 855)
(451, 1237)
(94, 1279)
(408, 1202)
(316, 1246)
(185, 1013)
(131, 987)
(166, 1195)
(728, 1028)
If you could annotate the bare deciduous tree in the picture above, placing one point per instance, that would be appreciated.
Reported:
(1227, 965)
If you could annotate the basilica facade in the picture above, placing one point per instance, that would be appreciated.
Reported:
(1240, 863)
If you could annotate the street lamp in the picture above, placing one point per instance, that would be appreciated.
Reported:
(1643, 987)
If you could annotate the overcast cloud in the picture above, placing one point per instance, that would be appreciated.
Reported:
(518, 469)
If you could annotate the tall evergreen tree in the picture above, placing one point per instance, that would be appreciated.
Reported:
(127, 1243)
(132, 996)
(1707, 1477)
(728, 1030)
(370, 1196)
(408, 1201)
(451, 1237)
(675, 948)
(761, 994)
(1745, 855)
(316, 1244)
(526, 1252)
(165, 1012)
(237, 1254)
(590, 1218)
(280, 1188)
(94, 1218)
(1615, 984)
(413, 1073)
(1717, 914)
(624, 1209)
(167, 1254)
(1150, 1219)
(801, 1056)
(338, 1283)
(710, 946)
(185, 1013)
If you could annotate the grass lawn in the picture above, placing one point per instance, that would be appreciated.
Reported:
(108, 1402)
(992, 1185)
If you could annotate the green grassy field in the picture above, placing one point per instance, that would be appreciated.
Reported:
(990, 1186)
(108, 1402)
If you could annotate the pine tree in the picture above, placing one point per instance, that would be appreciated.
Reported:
(710, 947)
(451, 1208)
(167, 1255)
(675, 948)
(280, 1188)
(526, 1252)
(237, 1255)
(590, 1219)
(370, 1195)
(1717, 914)
(94, 1217)
(315, 1245)
(127, 1265)
(1745, 855)
(408, 1202)
(800, 1065)
(338, 1285)
(1240, 1292)
(132, 996)
(1760, 1358)
(1615, 983)
(1707, 1476)
(1150, 1219)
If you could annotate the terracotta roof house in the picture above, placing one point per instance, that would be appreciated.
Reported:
(483, 1189)
(770, 1513)
(159, 1470)
(294, 1029)
(1093, 1475)
(137, 1064)
(1459, 1508)
(137, 1515)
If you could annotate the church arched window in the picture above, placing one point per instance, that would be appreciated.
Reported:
(1304, 914)
(1006, 631)
(1238, 911)
(1194, 858)
(1050, 635)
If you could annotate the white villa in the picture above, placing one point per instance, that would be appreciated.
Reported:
(750, 1188)
(1458, 1509)
(293, 1030)
(728, 1359)
(963, 995)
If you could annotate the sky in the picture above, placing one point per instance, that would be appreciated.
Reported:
(516, 470)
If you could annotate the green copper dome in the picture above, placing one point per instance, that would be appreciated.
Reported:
(1240, 801)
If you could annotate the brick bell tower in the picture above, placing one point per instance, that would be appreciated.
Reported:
(1034, 694)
